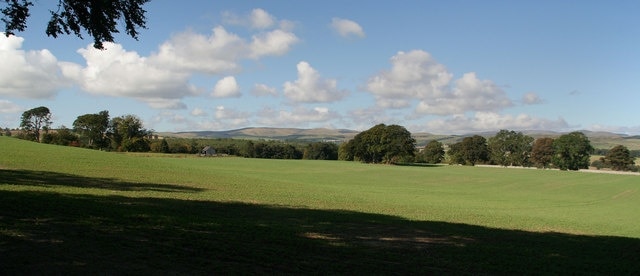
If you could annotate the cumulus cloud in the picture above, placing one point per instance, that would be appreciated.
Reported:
(256, 19)
(260, 19)
(531, 98)
(260, 89)
(273, 43)
(310, 87)
(347, 28)
(300, 116)
(220, 52)
(120, 73)
(193, 52)
(417, 76)
(484, 121)
(227, 87)
(198, 112)
(230, 116)
(9, 107)
(28, 74)
(469, 94)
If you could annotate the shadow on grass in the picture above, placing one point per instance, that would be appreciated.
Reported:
(50, 233)
(50, 179)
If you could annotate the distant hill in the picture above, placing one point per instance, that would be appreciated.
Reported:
(601, 140)
(268, 133)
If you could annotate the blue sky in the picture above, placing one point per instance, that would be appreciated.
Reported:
(447, 67)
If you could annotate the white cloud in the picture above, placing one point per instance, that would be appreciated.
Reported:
(416, 76)
(347, 28)
(198, 112)
(531, 98)
(413, 75)
(310, 87)
(192, 52)
(230, 116)
(27, 74)
(469, 94)
(260, 19)
(298, 117)
(8, 106)
(120, 73)
(220, 52)
(257, 19)
(487, 121)
(273, 43)
(227, 87)
(260, 89)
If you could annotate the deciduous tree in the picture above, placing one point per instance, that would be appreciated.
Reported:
(572, 151)
(542, 152)
(510, 148)
(433, 152)
(383, 144)
(93, 127)
(98, 18)
(128, 134)
(33, 120)
(469, 151)
(619, 158)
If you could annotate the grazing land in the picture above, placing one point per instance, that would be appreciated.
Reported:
(68, 210)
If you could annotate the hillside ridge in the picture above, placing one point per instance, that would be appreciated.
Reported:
(599, 139)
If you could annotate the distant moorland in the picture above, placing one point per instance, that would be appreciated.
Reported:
(599, 140)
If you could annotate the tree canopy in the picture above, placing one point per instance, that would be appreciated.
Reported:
(572, 151)
(98, 18)
(542, 152)
(93, 127)
(433, 152)
(380, 144)
(510, 148)
(619, 158)
(35, 119)
(469, 151)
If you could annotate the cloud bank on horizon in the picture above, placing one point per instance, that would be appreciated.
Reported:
(251, 70)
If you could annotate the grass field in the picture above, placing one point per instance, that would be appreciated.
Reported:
(69, 210)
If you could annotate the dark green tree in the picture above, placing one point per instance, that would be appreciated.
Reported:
(321, 151)
(542, 152)
(469, 151)
(98, 18)
(619, 158)
(128, 134)
(572, 151)
(33, 120)
(433, 152)
(62, 136)
(345, 151)
(164, 146)
(93, 127)
(510, 148)
(383, 144)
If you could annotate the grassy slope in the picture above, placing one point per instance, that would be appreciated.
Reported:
(87, 211)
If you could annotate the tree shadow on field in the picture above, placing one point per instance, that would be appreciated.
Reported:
(52, 233)
(51, 179)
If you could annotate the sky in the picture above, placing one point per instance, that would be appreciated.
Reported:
(443, 67)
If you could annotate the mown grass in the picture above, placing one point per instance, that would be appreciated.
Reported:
(66, 210)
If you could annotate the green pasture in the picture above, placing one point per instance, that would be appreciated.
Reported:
(71, 210)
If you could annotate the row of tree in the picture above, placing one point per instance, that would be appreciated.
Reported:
(127, 133)
(98, 131)
(379, 144)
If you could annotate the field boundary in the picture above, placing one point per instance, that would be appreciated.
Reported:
(581, 170)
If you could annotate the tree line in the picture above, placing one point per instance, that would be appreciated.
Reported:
(127, 134)
(388, 144)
